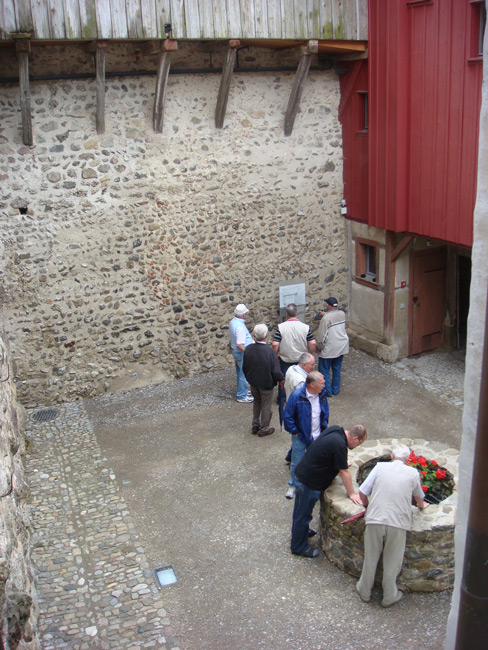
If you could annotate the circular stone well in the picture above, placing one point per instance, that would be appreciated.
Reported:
(428, 563)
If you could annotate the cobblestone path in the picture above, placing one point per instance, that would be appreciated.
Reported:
(96, 589)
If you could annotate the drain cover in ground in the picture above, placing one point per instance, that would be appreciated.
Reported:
(45, 416)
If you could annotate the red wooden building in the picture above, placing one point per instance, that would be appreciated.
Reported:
(410, 117)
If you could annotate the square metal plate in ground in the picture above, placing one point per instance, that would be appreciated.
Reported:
(165, 576)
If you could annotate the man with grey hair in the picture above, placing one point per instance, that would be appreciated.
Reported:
(294, 378)
(262, 371)
(291, 339)
(387, 492)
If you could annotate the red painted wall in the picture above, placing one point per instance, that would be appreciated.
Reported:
(424, 101)
(354, 86)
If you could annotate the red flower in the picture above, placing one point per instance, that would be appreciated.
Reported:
(424, 488)
(441, 473)
(423, 473)
(434, 462)
(422, 461)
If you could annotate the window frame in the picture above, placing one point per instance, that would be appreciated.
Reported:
(363, 248)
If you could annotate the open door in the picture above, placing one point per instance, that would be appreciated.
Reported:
(427, 300)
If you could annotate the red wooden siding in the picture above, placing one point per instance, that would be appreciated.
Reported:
(424, 103)
(355, 140)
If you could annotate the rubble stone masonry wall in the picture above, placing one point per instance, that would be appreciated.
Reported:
(18, 597)
(123, 255)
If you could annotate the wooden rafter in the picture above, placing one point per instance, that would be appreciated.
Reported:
(100, 71)
(164, 64)
(225, 80)
(22, 49)
(298, 84)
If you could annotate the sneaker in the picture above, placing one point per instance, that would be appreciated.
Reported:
(290, 493)
(245, 400)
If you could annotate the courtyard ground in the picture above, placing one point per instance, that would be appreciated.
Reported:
(198, 492)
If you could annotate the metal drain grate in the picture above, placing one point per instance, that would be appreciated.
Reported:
(45, 416)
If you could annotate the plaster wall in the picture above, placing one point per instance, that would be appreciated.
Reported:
(366, 302)
(126, 253)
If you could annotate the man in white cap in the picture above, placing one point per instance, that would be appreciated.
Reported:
(240, 338)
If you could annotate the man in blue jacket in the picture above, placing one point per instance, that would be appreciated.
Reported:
(306, 416)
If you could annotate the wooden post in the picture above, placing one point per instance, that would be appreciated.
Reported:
(22, 49)
(224, 88)
(392, 253)
(298, 84)
(162, 83)
(100, 68)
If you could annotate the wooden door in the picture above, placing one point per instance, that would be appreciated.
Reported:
(427, 300)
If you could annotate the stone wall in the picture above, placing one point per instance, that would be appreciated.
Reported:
(123, 255)
(18, 599)
(428, 563)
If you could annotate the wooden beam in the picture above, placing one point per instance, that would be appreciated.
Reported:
(100, 69)
(23, 48)
(342, 46)
(401, 247)
(164, 64)
(225, 79)
(297, 88)
(389, 295)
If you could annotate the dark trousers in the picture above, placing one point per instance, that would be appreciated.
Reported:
(261, 408)
(305, 500)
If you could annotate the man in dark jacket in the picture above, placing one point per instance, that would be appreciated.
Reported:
(306, 415)
(325, 458)
(262, 371)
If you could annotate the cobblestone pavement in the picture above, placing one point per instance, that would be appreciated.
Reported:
(95, 587)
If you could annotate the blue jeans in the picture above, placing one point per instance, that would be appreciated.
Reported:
(305, 500)
(325, 367)
(242, 385)
(298, 448)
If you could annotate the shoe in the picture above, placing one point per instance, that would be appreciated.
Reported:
(397, 599)
(311, 532)
(310, 552)
(265, 432)
(290, 493)
(245, 400)
(365, 600)
(254, 430)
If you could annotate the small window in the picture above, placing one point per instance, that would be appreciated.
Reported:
(481, 27)
(478, 25)
(367, 261)
(364, 111)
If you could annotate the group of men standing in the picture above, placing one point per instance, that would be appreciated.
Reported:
(319, 451)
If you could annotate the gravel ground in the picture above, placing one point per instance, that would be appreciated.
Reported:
(207, 497)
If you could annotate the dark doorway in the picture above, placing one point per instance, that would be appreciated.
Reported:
(464, 283)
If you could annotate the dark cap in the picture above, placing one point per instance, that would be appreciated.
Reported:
(331, 301)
